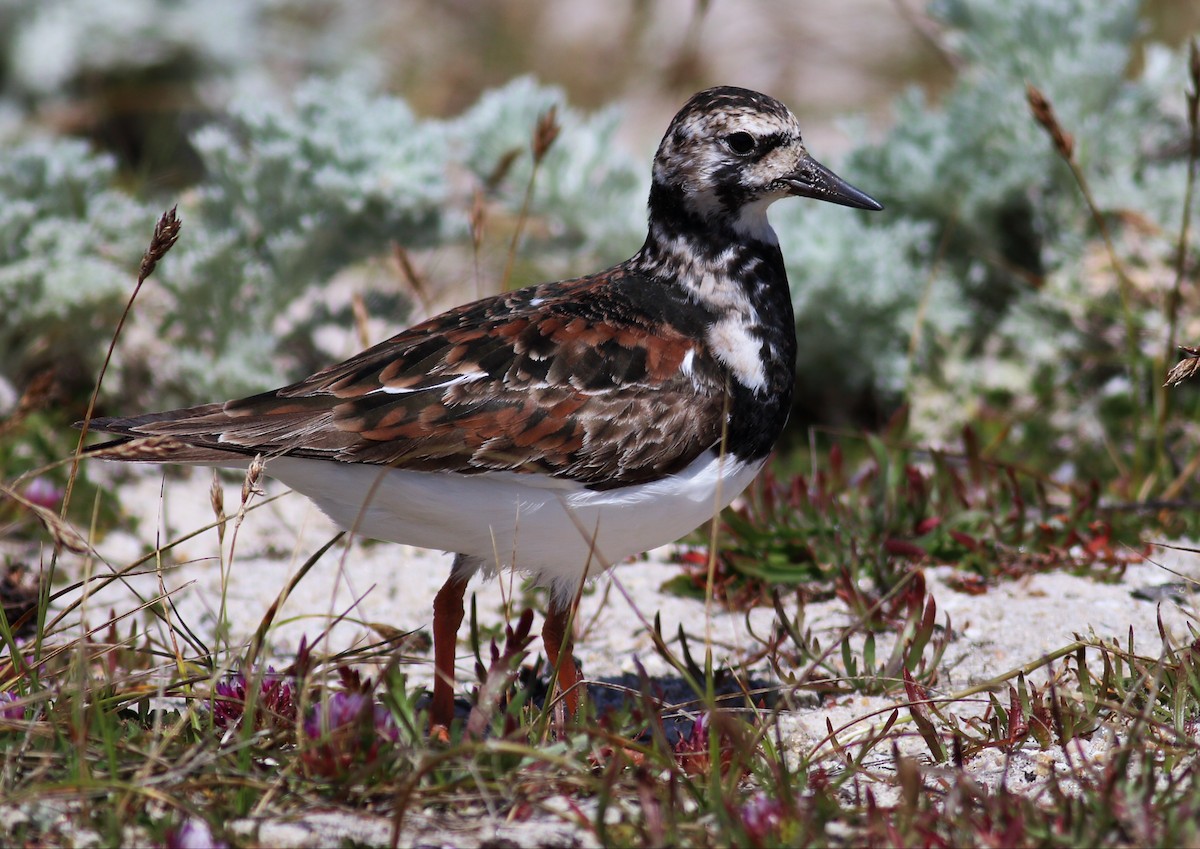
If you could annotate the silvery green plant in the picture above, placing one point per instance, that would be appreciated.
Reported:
(50, 49)
(67, 241)
(985, 221)
(979, 257)
(592, 193)
(295, 192)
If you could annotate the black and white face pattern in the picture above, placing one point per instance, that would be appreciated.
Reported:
(731, 153)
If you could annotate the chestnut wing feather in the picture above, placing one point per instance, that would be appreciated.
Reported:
(587, 380)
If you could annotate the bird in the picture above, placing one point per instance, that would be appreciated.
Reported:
(561, 428)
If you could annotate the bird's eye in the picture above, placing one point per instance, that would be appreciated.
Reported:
(741, 143)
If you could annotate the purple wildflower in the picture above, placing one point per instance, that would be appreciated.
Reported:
(9, 710)
(762, 816)
(275, 706)
(193, 833)
(333, 714)
(692, 752)
(44, 493)
(345, 729)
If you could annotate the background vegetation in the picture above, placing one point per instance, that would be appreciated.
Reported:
(981, 385)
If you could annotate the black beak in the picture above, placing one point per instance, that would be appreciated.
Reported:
(814, 180)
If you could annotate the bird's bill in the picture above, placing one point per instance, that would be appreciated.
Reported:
(814, 180)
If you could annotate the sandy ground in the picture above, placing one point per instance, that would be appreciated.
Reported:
(1007, 627)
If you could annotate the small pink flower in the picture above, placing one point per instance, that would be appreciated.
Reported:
(44, 493)
(692, 752)
(8, 708)
(345, 729)
(275, 707)
(762, 816)
(193, 833)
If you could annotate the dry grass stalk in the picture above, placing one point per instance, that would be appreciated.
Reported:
(1181, 251)
(478, 224)
(166, 233)
(358, 306)
(1064, 144)
(250, 484)
(413, 279)
(148, 448)
(477, 220)
(1185, 368)
(1043, 113)
(503, 165)
(545, 132)
(60, 531)
(216, 497)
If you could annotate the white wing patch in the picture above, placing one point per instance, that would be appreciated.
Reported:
(688, 360)
(737, 347)
(687, 365)
(457, 380)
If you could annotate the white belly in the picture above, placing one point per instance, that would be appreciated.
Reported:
(556, 529)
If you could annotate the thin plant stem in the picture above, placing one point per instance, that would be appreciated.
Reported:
(1175, 296)
(914, 339)
(1181, 246)
(166, 232)
(544, 134)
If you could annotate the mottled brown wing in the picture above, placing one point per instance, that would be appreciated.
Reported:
(603, 380)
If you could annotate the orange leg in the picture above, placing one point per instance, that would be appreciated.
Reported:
(558, 643)
(447, 616)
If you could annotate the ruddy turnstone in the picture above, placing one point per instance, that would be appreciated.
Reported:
(560, 428)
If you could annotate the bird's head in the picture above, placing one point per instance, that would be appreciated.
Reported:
(730, 152)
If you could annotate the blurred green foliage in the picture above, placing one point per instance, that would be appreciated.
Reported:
(983, 290)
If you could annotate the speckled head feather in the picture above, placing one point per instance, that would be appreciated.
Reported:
(696, 152)
(727, 155)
